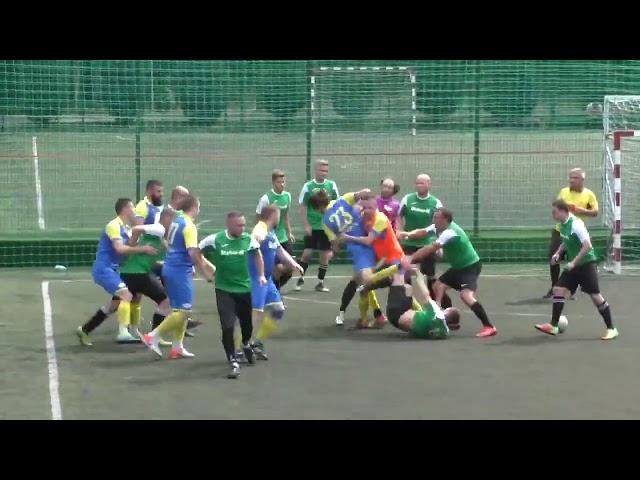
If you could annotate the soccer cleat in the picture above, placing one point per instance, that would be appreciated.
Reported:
(548, 329)
(152, 343)
(83, 337)
(549, 294)
(248, 354)
(258, 350)
(188, 334)
(362, 324)
(126, 337)
(191, 324)
(177, 353)
(611, 334)
(321, 288)
(134, 332)
(380, 321)
(240, 358)
(299, 284)
(235, 369)
(340, 319)
(487, 332)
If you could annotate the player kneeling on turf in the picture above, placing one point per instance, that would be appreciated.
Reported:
(430, 322)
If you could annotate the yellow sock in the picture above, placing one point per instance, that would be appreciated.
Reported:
(136, 311)
(237, 339)
(267, 328)
(363, 305)
(170, 324)
(384, 273)
(373, 300)
(416, 305)
(181, 328)
(124, 314)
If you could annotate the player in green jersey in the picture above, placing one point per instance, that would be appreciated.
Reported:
(580, 271)
(464, 264)
(315, 237)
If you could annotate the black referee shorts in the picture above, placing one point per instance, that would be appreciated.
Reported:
(146, 284)
(428, 265)
(232, 306)
(585, 276)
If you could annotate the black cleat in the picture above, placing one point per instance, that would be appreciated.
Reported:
(258, 350)
(240, 356)
(248, 354)
(299, 284)
(235, 370)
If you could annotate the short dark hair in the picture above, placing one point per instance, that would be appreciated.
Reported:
(319, 199)
(366, 196)
(561, 205)
(153, 183)
(121, 203)
(277, 174)
(396, 186)
(446, 213)
(167, 214)
(188, 202)
(266, 212)
(234, 214)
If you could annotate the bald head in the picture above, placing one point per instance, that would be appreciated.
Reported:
(576, 179)
(423, 184)
(178, 194)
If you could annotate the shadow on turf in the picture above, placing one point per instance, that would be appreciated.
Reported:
(530, 301)
(540, 339)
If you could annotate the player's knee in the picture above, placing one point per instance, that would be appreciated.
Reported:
(125, 295)
(164, 307)
(468, 297)
(597, 299)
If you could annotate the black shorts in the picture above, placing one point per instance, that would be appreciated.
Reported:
(585, 275)
(397, 303)
(428, 265)
(146, 284)
(464, 278)
(318, 240)
(555, 243)
(232, 306)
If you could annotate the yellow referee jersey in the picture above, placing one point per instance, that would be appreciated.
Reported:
(584, 199)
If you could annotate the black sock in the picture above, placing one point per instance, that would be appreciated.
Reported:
(228, 343)
(605, 311)
(322, 271)
(246, 327)
(481, 314)
(284, 278)
(156, 320)
(554, 270)
(446, 302)
(558, 306)
(377, 312)
(94, 321)
(304, 266)
(347, 295)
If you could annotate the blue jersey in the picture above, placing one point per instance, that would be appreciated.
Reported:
(343, 217)
(146, 210)
(182, 236)
(268, 247)
(106, 254)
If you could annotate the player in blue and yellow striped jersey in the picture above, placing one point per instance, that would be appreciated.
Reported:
(149, 208)
(183, 254)
(111, 248)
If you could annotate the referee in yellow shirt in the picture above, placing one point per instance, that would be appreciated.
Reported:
(583, 204)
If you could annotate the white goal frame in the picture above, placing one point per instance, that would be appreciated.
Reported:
(353, 69)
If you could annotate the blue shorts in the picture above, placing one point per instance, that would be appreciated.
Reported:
(108, 278)
(178, 282)
(361, 256)
(262, 296)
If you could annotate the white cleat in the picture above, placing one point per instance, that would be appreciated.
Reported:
(126, 337)
(340, 319)
(177, 353)
(152, 343)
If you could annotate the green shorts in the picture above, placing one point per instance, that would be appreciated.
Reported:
(427, 325)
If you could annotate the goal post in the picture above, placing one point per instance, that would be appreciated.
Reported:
(621, 163)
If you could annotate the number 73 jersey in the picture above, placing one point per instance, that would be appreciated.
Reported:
(343, 216)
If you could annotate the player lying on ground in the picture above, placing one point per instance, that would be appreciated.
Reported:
(429, 321)
(183, 254)
(105, 272)
(266, 301)
(464, 264)
(344, 215)
(580, 271)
